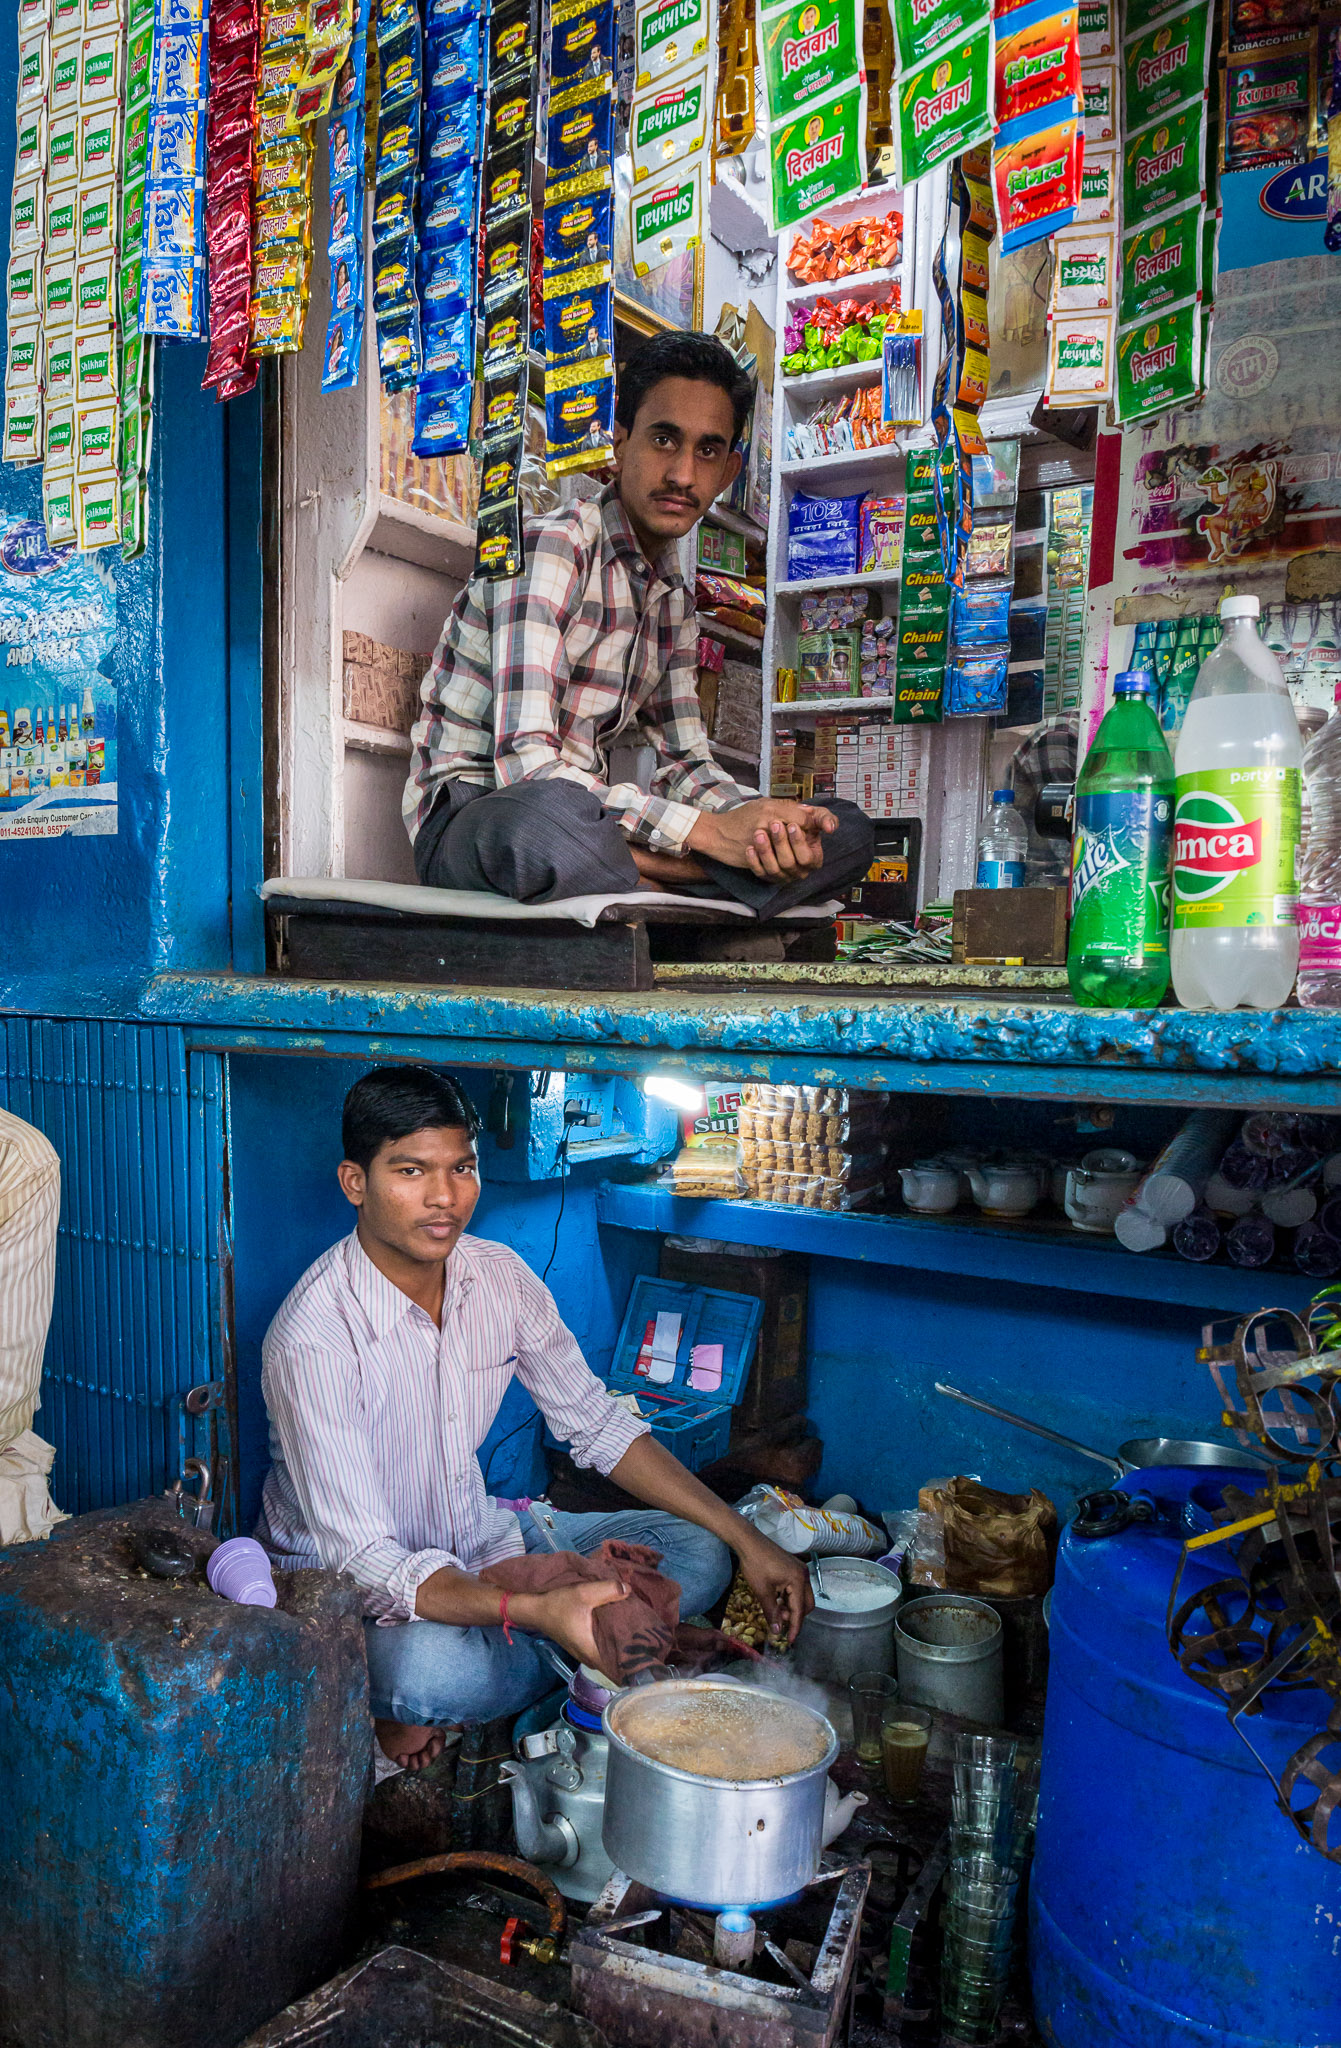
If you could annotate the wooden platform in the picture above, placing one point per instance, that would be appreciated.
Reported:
(332, 941)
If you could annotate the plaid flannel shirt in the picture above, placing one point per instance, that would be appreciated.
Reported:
(541, 674)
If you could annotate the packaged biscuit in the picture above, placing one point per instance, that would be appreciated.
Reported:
(1163, 166)
(1037, 58)
(1162, 265)
(1080, 360)
(666, 217)
(809, 49)
(1167, 65)
(579, 140)
(1084, 271)
(944, 108)
(1159, 363)
(582, 46)
(579, 325)
(579, 418)
(1101, 103)
(1036, 173)
(578, 233)
(667, 34)
(669, 123)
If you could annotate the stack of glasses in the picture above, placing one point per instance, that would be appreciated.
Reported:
(991, 1836)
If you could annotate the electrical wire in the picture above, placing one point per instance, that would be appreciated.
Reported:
(561, 1161)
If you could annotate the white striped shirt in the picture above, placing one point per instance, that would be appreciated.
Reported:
(30, 1201)
(376, 1415)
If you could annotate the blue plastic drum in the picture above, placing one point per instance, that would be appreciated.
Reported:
(1172, 1902)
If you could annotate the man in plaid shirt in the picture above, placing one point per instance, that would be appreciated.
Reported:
(535, 678)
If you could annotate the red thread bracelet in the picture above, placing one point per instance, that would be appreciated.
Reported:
(503, 1617)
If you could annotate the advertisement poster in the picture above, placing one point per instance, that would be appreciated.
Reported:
(57, 707)
(1251, 476)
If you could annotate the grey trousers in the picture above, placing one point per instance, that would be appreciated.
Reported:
(538, 842)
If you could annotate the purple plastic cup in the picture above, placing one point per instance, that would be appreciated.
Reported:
(239, 1570)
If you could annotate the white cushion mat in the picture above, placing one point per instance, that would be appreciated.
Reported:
(424, 902)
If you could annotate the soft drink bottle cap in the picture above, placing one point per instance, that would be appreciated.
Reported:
(1134, 682)
(1239, 608)
(1003, 796)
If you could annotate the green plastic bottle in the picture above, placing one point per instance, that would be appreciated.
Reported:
(1117, 957)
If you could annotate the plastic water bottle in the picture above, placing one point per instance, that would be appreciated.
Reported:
(1236, 827)
(1320, 871)
(1003, 844)
(1117, 957)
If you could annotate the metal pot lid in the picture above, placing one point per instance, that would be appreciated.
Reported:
(707, 1731)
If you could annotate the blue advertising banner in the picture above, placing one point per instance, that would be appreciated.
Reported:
(57, 706)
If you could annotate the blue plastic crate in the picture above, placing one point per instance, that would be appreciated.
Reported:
(697, 1427)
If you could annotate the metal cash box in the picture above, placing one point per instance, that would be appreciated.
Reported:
(696, 1426)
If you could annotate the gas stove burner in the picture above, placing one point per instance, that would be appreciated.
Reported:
(647, 1968)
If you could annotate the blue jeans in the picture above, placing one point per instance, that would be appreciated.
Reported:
(430, 1674)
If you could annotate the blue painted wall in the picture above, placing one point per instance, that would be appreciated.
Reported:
(288, 1208)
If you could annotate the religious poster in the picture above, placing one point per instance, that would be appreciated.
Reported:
(57, 703)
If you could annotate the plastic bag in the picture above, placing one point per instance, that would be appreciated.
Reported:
(1003, 1544)
(794, 1527)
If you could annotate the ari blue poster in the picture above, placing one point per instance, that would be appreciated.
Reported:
(57, 705)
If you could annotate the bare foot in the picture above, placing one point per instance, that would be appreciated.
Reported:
(409, 1745)
(671, 870)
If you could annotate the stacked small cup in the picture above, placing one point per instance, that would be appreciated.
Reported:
(995, 1801)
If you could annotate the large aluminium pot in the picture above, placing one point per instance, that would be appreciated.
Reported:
(715, 1841)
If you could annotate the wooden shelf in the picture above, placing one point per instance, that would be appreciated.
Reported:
(1047, 1253)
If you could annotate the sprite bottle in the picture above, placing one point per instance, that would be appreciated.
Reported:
(1118, 954)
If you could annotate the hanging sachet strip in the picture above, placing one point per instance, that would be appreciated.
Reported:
(172, 295)
(229, 151)
(505, 213)
(344, 243)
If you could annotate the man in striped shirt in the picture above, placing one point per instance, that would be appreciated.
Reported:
(382, 1373)
(536, 677)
